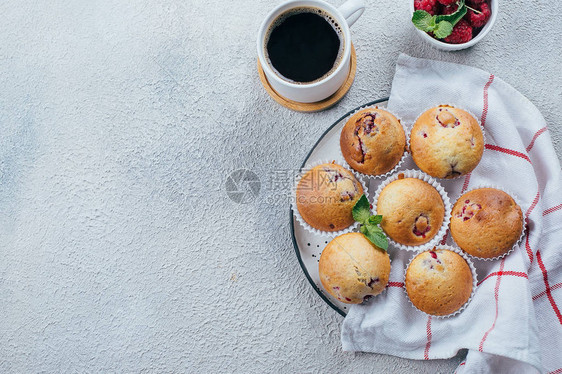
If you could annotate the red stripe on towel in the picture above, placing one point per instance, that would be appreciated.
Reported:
(485, 106)
(548, 289)
(513, 273)
(507, 151)
(530, 146)
(496, 292)
(428, 344)
(552, 288)
(551, 210)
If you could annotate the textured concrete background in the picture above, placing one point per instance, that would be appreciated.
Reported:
(119, 123)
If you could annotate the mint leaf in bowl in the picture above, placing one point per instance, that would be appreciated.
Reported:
(423, 20)
(441, 26)
(443, 29)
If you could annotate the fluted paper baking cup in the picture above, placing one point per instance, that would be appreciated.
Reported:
(470, 265)
(456, 107)
(296, 212)
(404, 154)
(426, 178)
(523, 221)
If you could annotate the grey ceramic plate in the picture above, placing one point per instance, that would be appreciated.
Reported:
(308, 246)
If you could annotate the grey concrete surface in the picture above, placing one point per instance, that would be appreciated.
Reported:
(119, 123)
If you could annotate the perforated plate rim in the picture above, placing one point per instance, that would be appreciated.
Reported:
(291, 220)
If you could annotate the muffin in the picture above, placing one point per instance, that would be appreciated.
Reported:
(325, 197)
(412, 211)
(373, 141)
(446, 142)
(439, 282)
(352, 268)
(486, 222)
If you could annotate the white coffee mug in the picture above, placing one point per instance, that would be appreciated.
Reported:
(345, 15)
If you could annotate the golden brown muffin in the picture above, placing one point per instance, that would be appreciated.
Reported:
(373, 141)
(412, 211)
(326, 195)
(486, 222)
(446, 142)
(352, 268)
(439, 282)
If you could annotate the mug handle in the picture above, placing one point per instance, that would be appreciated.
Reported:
(352, 10)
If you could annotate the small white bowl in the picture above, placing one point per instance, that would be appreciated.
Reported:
(455, 47)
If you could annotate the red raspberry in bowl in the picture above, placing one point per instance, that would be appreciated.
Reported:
(447, 2)
(429, 6)
(475, 2)
(462, 33)
(479, 19)
(449, 9)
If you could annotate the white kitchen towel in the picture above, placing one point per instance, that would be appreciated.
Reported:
(514, 322)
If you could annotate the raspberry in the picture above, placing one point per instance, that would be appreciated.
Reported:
(475, 2)
(462, 33)
(479, 20)
(429, 6)
(449, 9)
(447, 2)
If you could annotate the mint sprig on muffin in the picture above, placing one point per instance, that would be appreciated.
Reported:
(440, 25)
(369, 223)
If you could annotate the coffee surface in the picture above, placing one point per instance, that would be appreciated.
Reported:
(304, 46)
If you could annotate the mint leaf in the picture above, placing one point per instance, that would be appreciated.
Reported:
(381, 241)
(423, 20)
(376, 236)
(375, 220)
(361, 210)
(369, 224)
(442, 25)
(453, 18)
(443, 30)
(373, 228)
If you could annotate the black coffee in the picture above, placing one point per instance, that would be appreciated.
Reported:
(303, 45)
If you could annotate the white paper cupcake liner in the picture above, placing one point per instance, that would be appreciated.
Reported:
(426, 178)
(472, 269)
(402, 159)
(523, 222)
(296, 212)
(457, 107)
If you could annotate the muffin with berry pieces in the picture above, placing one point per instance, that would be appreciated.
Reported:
(412, 210)
(446, 142)
(486, 222)
(373, 141)
(353, 269)
(439, 282)
(325, 197)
